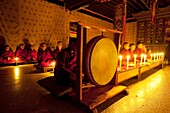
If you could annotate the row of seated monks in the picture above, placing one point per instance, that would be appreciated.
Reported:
(132, 49)
(44, 56)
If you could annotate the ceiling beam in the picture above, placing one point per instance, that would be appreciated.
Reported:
(131, 4)
(75, 4)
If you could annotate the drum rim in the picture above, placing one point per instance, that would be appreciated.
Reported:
(87, 63)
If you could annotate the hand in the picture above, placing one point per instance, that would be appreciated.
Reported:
(9, 58)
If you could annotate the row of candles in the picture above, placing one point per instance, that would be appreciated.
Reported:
(143, 57)
(52, 63)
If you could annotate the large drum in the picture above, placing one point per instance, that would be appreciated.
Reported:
(100, 60)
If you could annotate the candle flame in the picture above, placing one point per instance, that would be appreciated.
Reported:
(53, 63)
(16, 58)
(128, 56)
(135, 55)
(120, 57)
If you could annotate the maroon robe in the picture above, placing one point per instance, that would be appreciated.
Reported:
(66, 68)
(7, 57)
(138, 52)
(55, 53)
(44, 59)
(33, 55)
(131, 55)
(124, 53)
(22, 54)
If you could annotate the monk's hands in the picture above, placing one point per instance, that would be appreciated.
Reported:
(9, 58)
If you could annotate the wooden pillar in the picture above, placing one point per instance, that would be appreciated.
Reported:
(124, 21)
(116, 40)
(79, 63)
(84, 43)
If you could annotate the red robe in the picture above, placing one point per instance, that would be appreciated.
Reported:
(33, 55)
(44, 59)
(55, 53)
(131, 55)
(22, 54)
(138, 52)
(66, 68)
(7, 57)
(124, 53)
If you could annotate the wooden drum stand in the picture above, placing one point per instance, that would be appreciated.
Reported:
(97, 61)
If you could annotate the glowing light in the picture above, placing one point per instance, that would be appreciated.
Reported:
(154, 56)
(127, 64)
(151, 56)
(16, 58)
(144, 58)
(135, 56)
(16, 71)
(87, 27)
(53, 64)
(141, 59)
(120, 61)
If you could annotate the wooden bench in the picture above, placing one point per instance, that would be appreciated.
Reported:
(48, 68)
(45, 69)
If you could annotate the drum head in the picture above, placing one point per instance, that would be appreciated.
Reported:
(100, 60)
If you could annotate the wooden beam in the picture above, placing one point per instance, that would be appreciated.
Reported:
(79, 65)
(124, 20)
(100, 28)
(98, 14)
(72, 5)
(146, 3)
(135, 7)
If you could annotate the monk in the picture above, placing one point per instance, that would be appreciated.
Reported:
(7, 55)
(144, 49)
(139, 50)
(22, 53)
(52, 52)
(149, 52)
(131, 51)
(32, 53)
(124, 52)
(58, 49)
(65, 71)
(44, 57)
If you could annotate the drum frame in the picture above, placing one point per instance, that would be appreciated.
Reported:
(112, 88)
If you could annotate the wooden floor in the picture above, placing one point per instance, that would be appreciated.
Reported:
(20, 93)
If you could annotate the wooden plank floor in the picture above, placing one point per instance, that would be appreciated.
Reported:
(20, 93)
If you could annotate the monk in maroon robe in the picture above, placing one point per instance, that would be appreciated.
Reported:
(44, 57)
(124, 52)
(58, 49)
(32, 53)
(22, 53)
(149, 52)
(131, 51)
(7, 55)
(139, 50)
(65, 71)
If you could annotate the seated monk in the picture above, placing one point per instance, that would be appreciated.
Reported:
(58, 49)
(139, 50)
(124, 52)
(52, 52)
(149, 51)
(65, 71)
(131, 51)
(144, 49)
(22, 53)
(32, 53)
(7, 55)
(44, 57)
